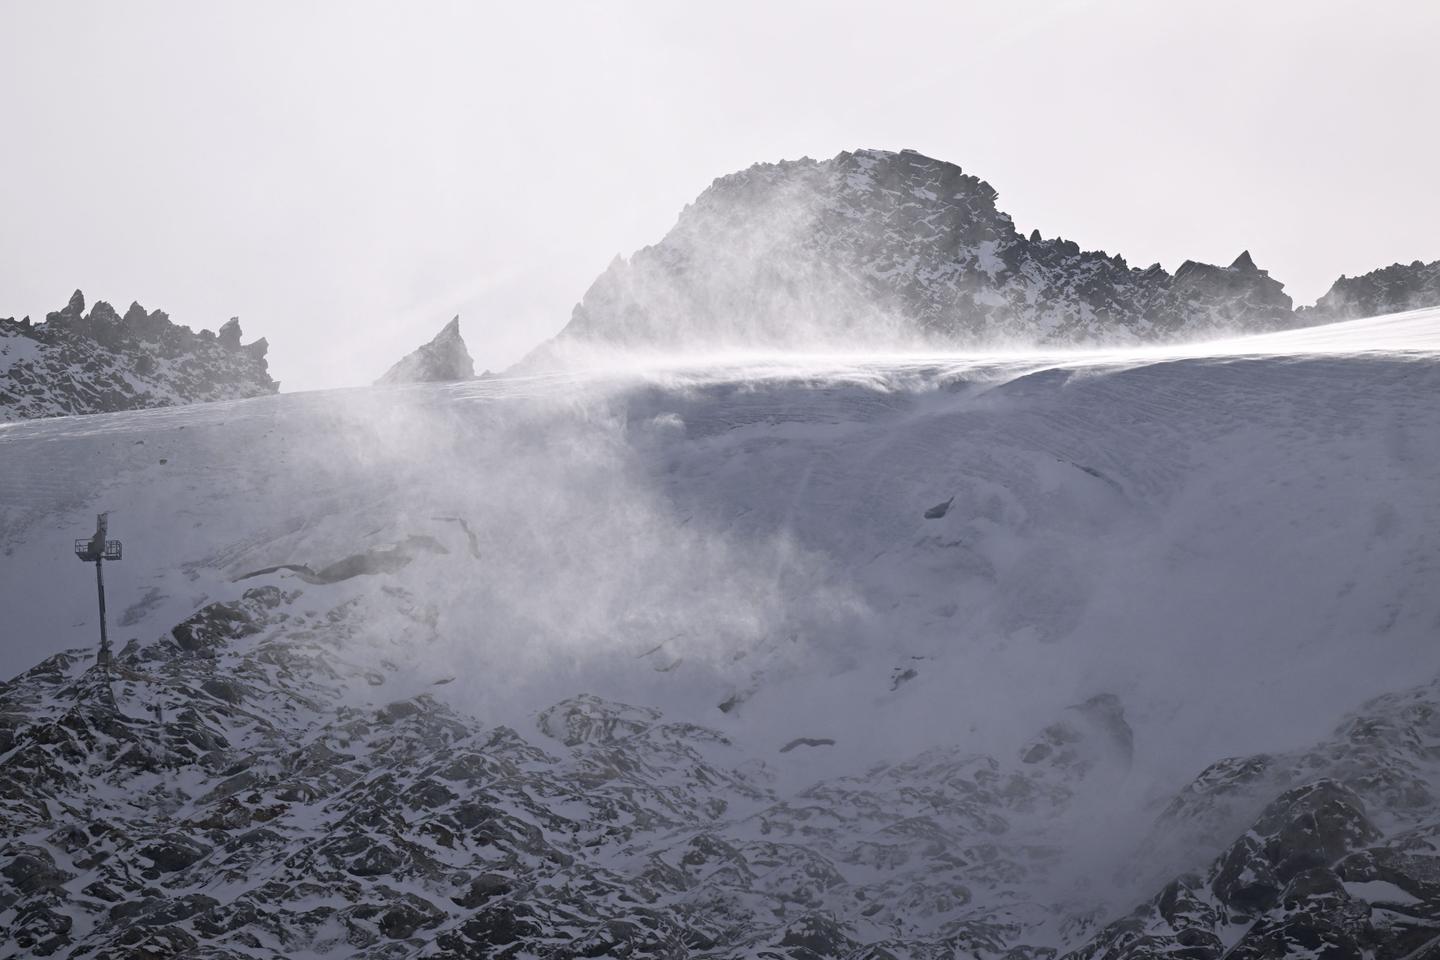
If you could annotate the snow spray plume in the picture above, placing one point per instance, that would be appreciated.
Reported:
(542, 562)
(745, 269)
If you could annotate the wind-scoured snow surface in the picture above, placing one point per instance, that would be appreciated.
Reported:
(910, 656)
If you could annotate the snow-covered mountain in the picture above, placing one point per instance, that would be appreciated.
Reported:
(1393, 289)
(888, 250)
(98, 362)
(1123, 653)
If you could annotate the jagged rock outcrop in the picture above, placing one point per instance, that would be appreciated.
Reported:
(1330, 852)
(443, 358)
(99, 362)
(1393, 289)
(873, 248)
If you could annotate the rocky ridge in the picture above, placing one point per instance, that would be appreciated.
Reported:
(879, 248)
(1393, 289)
(99, 362)
(874, 249)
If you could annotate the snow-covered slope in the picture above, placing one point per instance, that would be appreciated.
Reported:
(888, 251)
(97, 362)
(911, 656)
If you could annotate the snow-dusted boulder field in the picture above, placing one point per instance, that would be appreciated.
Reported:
(1126, 653)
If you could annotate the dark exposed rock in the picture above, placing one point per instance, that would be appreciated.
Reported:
(175, 851)
(1313, 826)
(32, 870)
(376, 861)
(1091, 733)
(1303, 934)
(1287, 876)
(816, 937)
(443, 358)
(77, 363)
(411, 914)
(587, 718)
(227, 690)
(939, 510)
(881, 248)
(219, 622)
(490, 928)
(73, 310)
(1312, 888)
(70, 837)
(483, 888)
(1415, 874)
(159, 912)
(1392, 289)
(1245, 879)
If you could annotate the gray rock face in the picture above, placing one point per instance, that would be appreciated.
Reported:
(444, 358)
(1301, 880)
(100, 362)
(893, 249)
(1391, 289)
(1343, 862)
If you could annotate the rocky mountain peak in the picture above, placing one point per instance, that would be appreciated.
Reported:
(443, 358)
(96, 362)
(879, 249)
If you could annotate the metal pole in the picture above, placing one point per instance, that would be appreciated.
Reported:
(104, 637)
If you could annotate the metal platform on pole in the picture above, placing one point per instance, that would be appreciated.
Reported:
(97, 549)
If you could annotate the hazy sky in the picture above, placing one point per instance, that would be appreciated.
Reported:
(346, 176)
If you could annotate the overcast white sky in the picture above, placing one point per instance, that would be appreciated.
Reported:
(347, 176)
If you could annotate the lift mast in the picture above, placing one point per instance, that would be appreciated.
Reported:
(97, 550)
